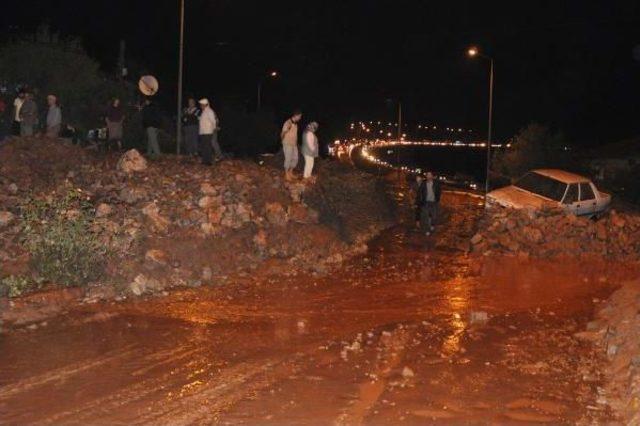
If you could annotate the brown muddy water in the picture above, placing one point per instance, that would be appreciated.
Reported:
(413, 332)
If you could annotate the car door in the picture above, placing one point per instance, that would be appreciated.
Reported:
(588, 203)
(572, 198)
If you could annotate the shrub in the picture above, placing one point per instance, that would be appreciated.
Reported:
(535, 146)
(13, 286)
(58, 236)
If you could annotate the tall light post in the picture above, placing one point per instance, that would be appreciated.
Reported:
(272, 74)
(473, 52)
(399, 137)
(180, 66)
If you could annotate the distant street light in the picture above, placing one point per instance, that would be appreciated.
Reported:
(272, 74)
(473, 52)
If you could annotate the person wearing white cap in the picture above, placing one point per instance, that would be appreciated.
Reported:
(208, 126)
(309, 149)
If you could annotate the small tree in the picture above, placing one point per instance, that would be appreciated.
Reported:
(48, 64)
(535, 146)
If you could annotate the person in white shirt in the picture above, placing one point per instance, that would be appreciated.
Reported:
(17, 104)
(54, 117)
(309, 149)
(208, 125)
(289, 138)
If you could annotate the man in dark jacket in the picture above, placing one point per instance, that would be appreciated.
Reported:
(427, 201)
(151, 124)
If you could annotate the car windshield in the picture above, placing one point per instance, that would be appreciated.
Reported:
(542, 185)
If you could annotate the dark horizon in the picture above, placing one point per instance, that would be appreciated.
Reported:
(571, 66)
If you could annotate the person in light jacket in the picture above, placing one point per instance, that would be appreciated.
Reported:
(309, 149)
(289, 139)
(208, 125)
(54, 117)
(17, 105)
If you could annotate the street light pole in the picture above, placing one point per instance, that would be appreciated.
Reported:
(180, 66)
(489, 127)
(272, 74)
(473, 51)
(259, 95)
(399, 137)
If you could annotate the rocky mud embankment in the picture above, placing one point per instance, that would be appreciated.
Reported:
(552, 233)
(615, 332)
(174, 223)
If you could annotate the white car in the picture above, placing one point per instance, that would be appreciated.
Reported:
(552, 188)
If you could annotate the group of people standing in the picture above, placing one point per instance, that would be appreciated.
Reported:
(200, 125)
(310, 147)
(26, 117)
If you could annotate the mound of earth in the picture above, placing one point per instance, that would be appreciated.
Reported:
(174, 222)
(550, 233)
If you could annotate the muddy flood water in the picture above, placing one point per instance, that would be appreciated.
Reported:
(411, 333)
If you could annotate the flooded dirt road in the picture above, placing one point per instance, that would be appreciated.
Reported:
(415, 332)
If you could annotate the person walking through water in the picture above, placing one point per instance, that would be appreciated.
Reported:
(190, 118)
(309, 150)
(289, 139)
(114, 120)
(54, 117)
(208, 125)
(428, 200)
(151, 123)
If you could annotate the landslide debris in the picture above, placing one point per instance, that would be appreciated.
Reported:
(173, 222)
(616, 333)
(553, 232)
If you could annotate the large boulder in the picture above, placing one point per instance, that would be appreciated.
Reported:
(6, 218)
(103, 210)
(142, 284)
(276, 214)
(132, 161)
(132, 195)
(159, 223)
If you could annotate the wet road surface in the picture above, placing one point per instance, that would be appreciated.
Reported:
(414, 332)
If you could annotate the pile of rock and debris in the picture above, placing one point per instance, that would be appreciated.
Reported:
(554, 232)
(616, 331)
(174, 222)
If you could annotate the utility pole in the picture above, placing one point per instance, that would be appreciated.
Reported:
(473, 51)
(489, 131)
(259, 96)
(121, 72)
(180, 66)
(399, 137)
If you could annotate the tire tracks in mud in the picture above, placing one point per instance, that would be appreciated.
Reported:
(62, 374)
(130, 394)
(370, 391)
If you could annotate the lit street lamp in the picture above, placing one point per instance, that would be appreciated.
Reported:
(473, 52)
(272, 74)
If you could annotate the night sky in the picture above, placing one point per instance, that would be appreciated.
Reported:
(569, 64)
